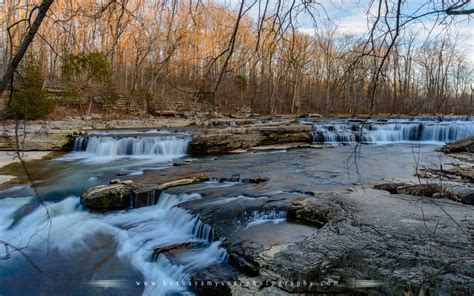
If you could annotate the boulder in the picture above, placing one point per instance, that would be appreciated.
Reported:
(107, 197)
(464, 145)
(307, 212)
(466, 195)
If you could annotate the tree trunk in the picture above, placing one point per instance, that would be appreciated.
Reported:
(25, 43)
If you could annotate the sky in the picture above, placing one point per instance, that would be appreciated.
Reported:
(351, 16)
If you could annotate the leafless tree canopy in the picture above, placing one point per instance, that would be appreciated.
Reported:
(251, 54)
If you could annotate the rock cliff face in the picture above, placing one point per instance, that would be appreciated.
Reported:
(215, 141)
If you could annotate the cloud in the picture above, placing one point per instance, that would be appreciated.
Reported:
(350, 16)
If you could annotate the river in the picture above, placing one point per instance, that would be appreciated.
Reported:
(66, 249)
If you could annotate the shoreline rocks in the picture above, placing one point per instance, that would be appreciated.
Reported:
(38, 139)
(357, 237)
(464, 145)
(462, 195)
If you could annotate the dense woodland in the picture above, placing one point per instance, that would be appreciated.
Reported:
(204, 55)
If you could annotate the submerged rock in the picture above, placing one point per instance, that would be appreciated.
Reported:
(464, 145)
(107, 197)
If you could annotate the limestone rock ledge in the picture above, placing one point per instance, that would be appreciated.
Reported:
(38, 139)
(216, 141)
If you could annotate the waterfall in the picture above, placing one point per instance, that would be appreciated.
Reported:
(398, 130)
(146, 143)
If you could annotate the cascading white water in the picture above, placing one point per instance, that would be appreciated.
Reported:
(399, 131)
(133, 146)
(135, 232)
(100, 146)
(258, 218)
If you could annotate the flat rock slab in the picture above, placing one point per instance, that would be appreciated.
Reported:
(366, 241)
(363, 241)
(122, 194)
(383, 238)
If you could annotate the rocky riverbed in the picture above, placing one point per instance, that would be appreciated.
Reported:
(303, 239)
(131, 213)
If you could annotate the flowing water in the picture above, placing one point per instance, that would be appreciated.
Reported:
(82, 253)
(68, 230)
(399, 130)
(101, 146)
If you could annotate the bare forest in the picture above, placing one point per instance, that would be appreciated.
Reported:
(236, 147)
(233, 56)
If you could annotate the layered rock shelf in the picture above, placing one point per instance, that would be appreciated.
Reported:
(214, 141)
